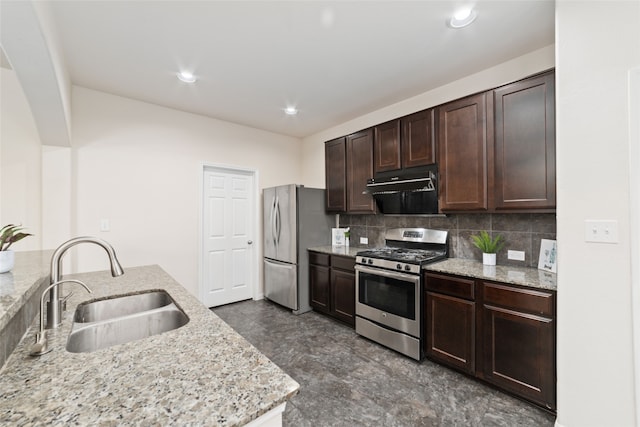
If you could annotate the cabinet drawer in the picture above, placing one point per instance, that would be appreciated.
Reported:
(343, 263)
(449, 285)
(318, 258)
(524, 300)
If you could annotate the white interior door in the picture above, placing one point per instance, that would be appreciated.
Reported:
(228, 260)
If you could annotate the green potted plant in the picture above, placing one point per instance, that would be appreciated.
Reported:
(488, 245)
(9, 234)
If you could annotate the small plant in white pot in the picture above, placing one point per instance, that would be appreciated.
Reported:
(9, 234)
(488, 245)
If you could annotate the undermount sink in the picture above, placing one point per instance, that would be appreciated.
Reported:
(120, 319)
(118, 306)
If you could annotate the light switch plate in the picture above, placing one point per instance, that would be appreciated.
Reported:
(601, 231)
(364, 240)
(104, 225)
(515, 255)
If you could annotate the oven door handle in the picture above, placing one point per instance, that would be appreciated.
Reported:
(391, 274)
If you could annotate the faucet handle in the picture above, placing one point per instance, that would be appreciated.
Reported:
(63, 302)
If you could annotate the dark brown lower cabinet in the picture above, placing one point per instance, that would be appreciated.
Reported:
(332, 282)
(519, 342)
(500, 333)
(343, 293)
(451, 331)
(319, 281)
(450, 323)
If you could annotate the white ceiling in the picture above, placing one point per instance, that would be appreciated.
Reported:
(333, 60)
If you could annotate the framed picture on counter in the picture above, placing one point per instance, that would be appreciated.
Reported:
(548, 255)
(338, 237)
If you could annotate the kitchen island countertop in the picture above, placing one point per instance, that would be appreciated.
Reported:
(203, 373)
(18, 285)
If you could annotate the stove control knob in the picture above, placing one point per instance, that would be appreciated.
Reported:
(370, 261)
(407, 267)
(364, 261)
(399, 266)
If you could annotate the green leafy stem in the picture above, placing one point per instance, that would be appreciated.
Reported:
(486, 244)
(9, 234)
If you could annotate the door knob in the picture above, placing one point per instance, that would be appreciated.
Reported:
(250, 242)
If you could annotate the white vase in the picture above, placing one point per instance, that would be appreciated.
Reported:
(7, 259)
(488, 259)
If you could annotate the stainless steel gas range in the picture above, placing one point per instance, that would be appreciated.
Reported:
(389, 287)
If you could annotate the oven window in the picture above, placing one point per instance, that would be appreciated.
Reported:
(389, 295)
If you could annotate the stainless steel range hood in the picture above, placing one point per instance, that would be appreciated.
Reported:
(406, 192)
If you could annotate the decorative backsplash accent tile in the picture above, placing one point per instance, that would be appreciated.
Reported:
(522, 232)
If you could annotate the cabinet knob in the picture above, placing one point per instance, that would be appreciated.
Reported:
(250, 242)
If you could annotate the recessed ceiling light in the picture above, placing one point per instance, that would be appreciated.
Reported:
(463, 17)
(292, 111)
(186, 77)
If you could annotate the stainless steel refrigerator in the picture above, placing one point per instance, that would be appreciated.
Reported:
(294, 220)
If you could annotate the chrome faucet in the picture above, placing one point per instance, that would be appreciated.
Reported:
(41, 345)
(55, 306)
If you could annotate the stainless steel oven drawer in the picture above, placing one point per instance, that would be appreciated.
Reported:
(397, 341)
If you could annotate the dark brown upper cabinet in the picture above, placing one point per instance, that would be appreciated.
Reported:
(405, 142)
(495, 152)
(348, 166)
(359, 170)
(418, 142)
(386, 147)
(525, 146)
(497, 149)
(463, 133)
(335, 154)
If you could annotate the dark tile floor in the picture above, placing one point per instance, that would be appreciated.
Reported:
(346, 380)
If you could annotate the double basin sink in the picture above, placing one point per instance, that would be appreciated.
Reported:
(116, 320)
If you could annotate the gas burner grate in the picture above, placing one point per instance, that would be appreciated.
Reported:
(410, 256)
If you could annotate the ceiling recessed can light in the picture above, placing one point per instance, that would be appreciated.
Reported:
(186, 77)
(292, 111)
(462, 14)
(463, 17)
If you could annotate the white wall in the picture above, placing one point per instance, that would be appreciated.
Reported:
(30, 42)
(515, 69)
(597, 43)
(56, 56)
(58, 217)
(20, 162)
(138, 165)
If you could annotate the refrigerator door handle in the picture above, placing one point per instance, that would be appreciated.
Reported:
(277, 225)
(272, 220)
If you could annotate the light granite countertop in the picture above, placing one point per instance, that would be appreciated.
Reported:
(523, 276)
(338, 250)
(17, 286)
(203, 373)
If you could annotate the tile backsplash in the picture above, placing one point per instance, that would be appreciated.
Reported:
(521, 232)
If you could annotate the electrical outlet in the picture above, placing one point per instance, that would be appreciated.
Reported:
(515, 255)
(601, 231)
(364, 240)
